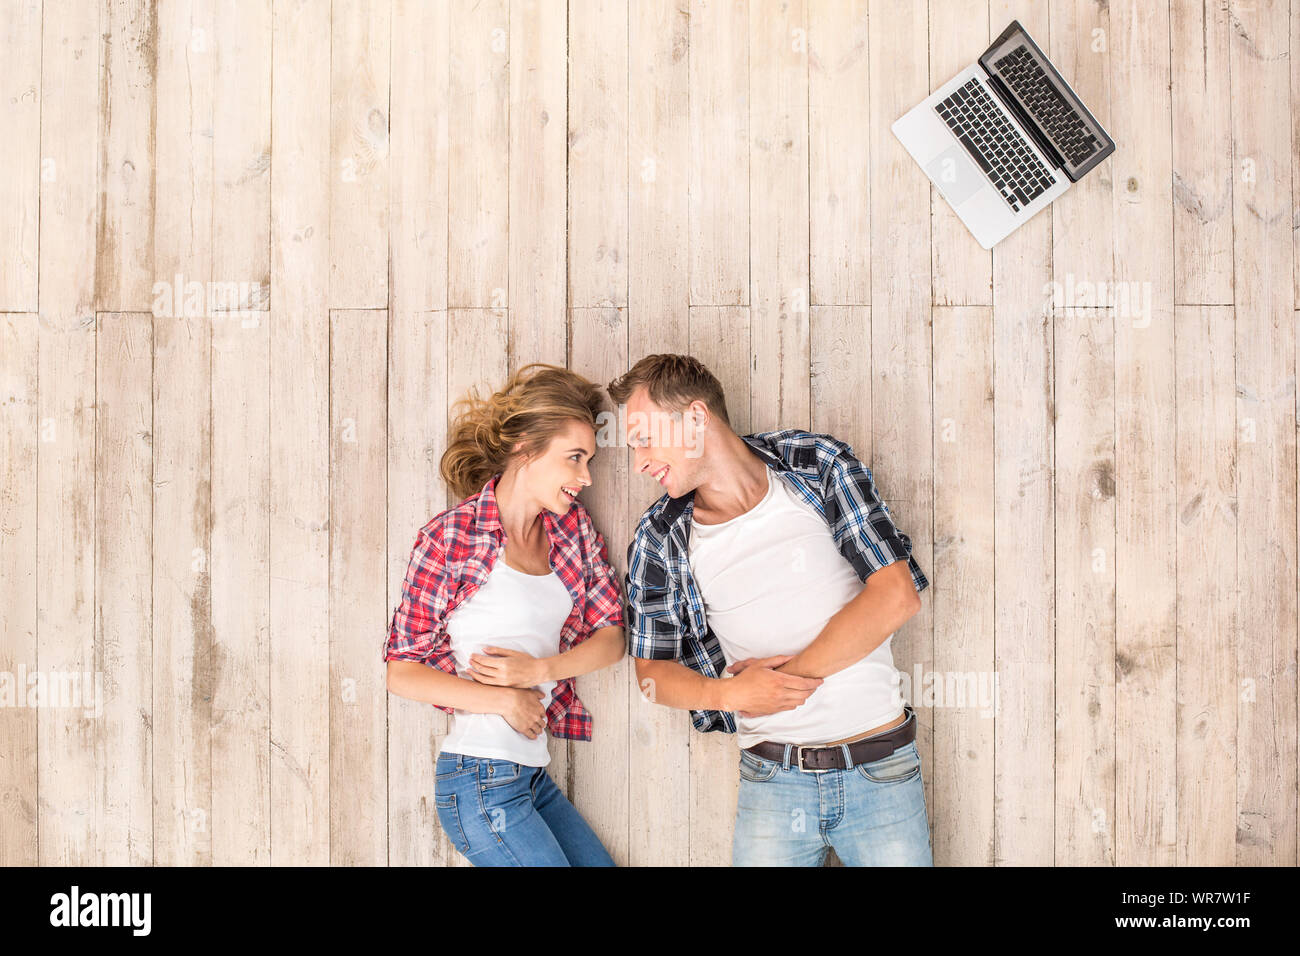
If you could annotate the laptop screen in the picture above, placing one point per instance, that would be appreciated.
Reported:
(1029, 77)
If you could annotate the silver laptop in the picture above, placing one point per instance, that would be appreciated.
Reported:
(1004, 137)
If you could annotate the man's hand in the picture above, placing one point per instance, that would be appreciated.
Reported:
(777, 661)
(758, 690)
(506, 668)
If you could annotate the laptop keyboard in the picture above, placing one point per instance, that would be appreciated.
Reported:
(1064, 127)
(999, 147)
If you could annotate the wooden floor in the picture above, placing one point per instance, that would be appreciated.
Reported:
(249, 253)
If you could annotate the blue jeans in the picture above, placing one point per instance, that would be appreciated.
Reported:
(873, 814)
(499, 813)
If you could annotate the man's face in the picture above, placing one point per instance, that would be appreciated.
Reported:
(665, 445)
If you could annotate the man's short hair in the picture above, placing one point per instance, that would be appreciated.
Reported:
(672, 382)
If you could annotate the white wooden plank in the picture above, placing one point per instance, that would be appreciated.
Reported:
(1084, 355)
(20, 166)
(19, 438)
(720, 152)
(359, 148)
(358, 794)
(478, 172)
(839, 153)
(963, 795)
(1209, 630)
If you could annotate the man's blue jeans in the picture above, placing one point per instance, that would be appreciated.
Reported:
(499, 813)
(873, 814)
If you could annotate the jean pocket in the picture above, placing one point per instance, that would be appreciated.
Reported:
(449, 818)
(902, 765)
(498, 773)
(756, 769)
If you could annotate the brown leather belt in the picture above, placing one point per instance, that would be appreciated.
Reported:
(816, 759)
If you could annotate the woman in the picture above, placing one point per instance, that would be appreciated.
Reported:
(508, 596)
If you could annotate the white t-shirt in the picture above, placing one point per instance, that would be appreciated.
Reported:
(770, 579)
(515, 610)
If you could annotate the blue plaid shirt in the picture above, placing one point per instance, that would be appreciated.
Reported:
(665, 617)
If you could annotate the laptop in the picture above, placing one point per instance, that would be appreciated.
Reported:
(1004, 137)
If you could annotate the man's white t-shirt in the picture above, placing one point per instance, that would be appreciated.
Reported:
(515, 610)
(770, 579)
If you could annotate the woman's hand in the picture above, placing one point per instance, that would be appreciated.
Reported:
(524, 712)
(506, 668)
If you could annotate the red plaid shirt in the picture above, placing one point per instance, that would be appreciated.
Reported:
(453, 555)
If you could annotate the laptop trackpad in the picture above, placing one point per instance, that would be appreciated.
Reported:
(957, 177)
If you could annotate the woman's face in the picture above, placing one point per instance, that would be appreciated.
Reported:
(557, 475)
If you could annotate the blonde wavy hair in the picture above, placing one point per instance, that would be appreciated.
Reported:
(534, 405)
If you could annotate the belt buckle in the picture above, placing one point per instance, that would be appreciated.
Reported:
(800, 748)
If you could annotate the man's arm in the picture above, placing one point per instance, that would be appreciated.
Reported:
(886, 601)
(755, 692)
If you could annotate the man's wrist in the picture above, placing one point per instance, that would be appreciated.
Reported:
(723, 693)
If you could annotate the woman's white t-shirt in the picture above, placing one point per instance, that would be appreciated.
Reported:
(770, 579)
(516, 610)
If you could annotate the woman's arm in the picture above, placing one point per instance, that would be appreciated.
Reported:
(521, 707)
(502, 667)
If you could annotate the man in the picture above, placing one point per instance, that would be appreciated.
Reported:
(770, 557)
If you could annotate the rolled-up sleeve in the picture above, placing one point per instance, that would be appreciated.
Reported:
(862, 526)
(417, 631)
(653, 629)
(604, 603)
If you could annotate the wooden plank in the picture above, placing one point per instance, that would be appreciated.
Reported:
(241, 692)
(1208, 624)
(778, 254)
(1024, 580)
(901, 399)
(182, 605)
(1081, 219)
(299, 397)
(123, 559)
(421, 34)
(70, 744)
(1201, 92)
(598, 157)
(658, 161)
(839, 154)
(357, 479)
(961, 273)
(477, 339)
(417, 435)
(1262, 211)
(720, 339)
(478, 173)
(1084, 353)
(840, 350)
(67, 764)
(720, 148)
(599, 768)
(182, 591)
(359, 175)
(19, 437)
(964, 799)
(241, 157)
(659, 141)
(358, 585)
(124, 269)
(1145, 475)
(20, 165)
(538, 184)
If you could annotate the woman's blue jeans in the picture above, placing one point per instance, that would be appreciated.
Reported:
(499, 813)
